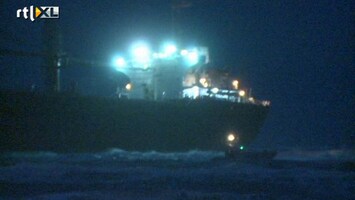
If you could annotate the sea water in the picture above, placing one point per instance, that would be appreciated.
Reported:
(119, 174)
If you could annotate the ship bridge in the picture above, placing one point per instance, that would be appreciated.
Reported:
(160, 75)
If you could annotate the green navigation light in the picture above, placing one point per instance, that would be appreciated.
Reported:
(241, 147)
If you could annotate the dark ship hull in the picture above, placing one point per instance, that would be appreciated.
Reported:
(70, 123)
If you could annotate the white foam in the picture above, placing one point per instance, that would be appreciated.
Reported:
(304, 155)
(193, 155)
(119, 174)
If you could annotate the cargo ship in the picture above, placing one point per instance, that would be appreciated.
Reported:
(155, 116)
(173, 100)
(65, 123)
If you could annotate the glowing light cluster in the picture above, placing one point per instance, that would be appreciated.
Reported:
(143, 57)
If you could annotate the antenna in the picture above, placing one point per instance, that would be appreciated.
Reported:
(176, 6)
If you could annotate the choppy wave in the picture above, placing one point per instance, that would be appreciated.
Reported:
(189, 156)
(120, 174)
(304, 155)
(117, 155)
(193, 155)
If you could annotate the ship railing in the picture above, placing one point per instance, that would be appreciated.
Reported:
(259, 102)
(232, 98)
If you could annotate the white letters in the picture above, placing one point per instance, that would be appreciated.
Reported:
(25, 11)
(18, 14)
(45, 12)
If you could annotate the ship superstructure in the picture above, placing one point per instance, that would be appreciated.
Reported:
(176, 74)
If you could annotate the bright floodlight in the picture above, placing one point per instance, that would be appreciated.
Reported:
(192, 58)
(141, 55)
(120, 62)
(141, 51)
(242, 93)
(170, 49)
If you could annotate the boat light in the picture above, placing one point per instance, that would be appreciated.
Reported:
(242, 93)
(230, 137)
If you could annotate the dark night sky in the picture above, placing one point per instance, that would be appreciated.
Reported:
(297, 54)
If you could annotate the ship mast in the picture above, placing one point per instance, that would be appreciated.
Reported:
(176, 7)
(53, 59)
(52, 54)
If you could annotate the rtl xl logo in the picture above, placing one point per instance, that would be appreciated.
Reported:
(49, 12)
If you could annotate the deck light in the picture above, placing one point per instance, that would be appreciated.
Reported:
(128, 86)
(235, 84)
(215, 90)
